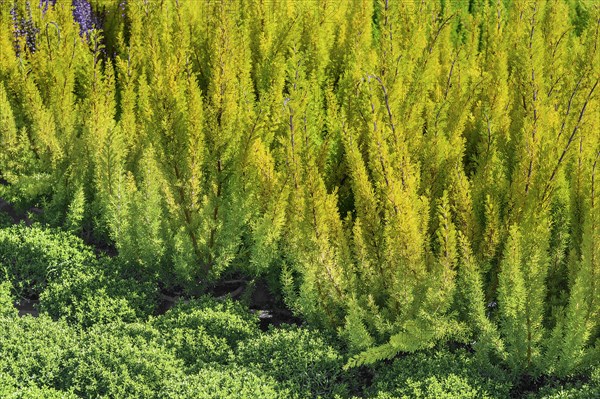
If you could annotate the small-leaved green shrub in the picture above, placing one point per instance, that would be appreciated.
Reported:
(205, 330)
(34, 256)
(230, 382)
(98, 294)
(298, 358)
(80, 301)
(7, 307)
(34, 350)
(435, 375)
(121, 361)
(227, 319)
(9, 389)
(197, 348)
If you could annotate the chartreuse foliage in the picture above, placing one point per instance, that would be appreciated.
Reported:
(412, 172)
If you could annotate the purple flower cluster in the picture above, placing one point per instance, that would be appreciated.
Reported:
(82, 14)
(45, 3)
(23, 27)
(123, 7)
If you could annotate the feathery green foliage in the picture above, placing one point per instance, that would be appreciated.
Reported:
(411, 172)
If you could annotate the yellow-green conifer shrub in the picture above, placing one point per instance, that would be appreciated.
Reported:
(470, 304)
(512, 298)
(413, 172)
(16, 158)
(316, 247)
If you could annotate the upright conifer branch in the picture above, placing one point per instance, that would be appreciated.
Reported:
(571, 137)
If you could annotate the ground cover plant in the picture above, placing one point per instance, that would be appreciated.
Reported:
(366, 198)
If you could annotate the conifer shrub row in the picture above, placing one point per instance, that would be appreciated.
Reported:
(414, 172)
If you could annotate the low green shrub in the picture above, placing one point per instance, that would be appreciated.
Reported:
(206, 330)
(79, 300)
(34, 350)
(448, 387)
(121, 361)
(98, 294)
(231, 382)
(226, 319)
(33, 256)
(9, 389)
(7, 308)
(297, 358)
(7, 384)
(436, 374)
(197, 348)
(579, 390)
(71, 281)
(568, 392)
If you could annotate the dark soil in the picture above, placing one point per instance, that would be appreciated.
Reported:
(27, 307)
(17, 216)
(257, 294)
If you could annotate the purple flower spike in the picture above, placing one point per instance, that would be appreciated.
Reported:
(82, 14)
(23, 27)
(123, 7)
(45, 3)
(16, 30)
